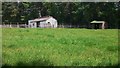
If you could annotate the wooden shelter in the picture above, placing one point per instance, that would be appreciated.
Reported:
(98, 24)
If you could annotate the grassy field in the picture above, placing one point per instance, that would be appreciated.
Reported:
(59, 47)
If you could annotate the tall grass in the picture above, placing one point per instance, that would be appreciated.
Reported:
(60, 47)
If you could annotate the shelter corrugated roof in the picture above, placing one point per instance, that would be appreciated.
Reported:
(97, 22)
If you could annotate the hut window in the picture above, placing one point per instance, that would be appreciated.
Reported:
(33, 24)
(48, 22)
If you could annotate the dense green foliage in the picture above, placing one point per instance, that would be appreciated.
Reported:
(74, 13)
(64, 47)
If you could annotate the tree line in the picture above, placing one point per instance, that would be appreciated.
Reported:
(67, 13)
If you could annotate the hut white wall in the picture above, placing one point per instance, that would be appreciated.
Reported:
(53, 22)
(32, 24)
(42, 24)
(29, 25)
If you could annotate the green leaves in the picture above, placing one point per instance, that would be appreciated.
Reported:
(26, 5)
(73, 13)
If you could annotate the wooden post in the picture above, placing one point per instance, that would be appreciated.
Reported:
(10, 25)
(25, 25)
(103, 25)
(17, 25)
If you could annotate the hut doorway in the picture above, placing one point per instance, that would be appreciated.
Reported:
(38, 23)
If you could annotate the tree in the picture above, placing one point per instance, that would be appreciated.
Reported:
(71, 13)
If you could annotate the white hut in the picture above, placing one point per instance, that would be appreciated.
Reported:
(43, 22)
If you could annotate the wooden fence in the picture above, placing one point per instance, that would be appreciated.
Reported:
(14, 26)
(26, 26)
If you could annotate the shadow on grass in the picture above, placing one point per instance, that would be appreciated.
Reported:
(98, 66)
(48, 64)
(32, 64)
